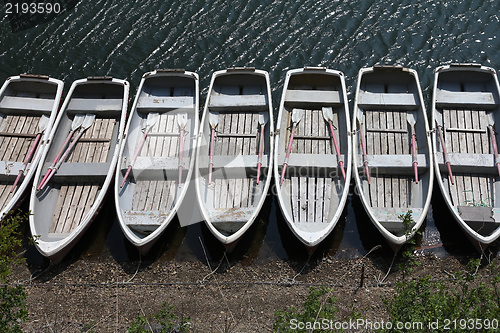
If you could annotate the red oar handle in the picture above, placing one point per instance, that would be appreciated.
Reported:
(337, 150)
(211, 162)
(287, 157)
(261, 148)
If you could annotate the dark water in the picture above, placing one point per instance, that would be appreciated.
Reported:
(126, 38)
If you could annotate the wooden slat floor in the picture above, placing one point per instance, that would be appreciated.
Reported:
(470, 188)
(237, 134)
(15, 148)
(76, 199)
(159, 194)
(388, 133)
(311, 196)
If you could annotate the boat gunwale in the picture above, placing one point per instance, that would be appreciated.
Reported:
(234, 237)
(302, 235)
(146, 242)
(394, 241)
(55, 250)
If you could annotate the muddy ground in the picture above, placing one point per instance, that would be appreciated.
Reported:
(103, 285)
(103, 295)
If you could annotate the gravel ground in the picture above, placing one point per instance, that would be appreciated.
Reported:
(103, 295)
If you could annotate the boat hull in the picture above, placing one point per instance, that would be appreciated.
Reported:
(229, 195)
(28, 106)
(69, 201)
(464, 113)
(148, 200)
(391, 140)
(313, 192)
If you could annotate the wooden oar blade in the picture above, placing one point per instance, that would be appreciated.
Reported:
(213, 119)
(88, 121)
(77, 121)
(327, 113)
(182, 119)
(297, 115)
(42, 123)
(263, 118)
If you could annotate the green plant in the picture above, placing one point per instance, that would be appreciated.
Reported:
(461, 305)
(409, 261)
(12, 298)
(319, 306)
(165, 322)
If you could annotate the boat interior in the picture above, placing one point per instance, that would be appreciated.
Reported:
(235, 103)
(21, 107)
(467, 107)
(388, 105)
(153, 186)
(72, 191)
(313, 184)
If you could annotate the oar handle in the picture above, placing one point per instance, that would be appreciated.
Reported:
(54, 162)
(181, 151)
(261, 148)
(337, 150)
(414, 154)
(211, 161)
(136, 154)
(63, 157)
(363, 148)
(495, 148)
(288, 151)
(126, 175)
(445, 153)
(26, 161)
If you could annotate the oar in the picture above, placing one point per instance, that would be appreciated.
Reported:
(151, 120)
(328, 116)
(411, 119)
(445, 153)
(296, 117)
(363, 146)
(87, 122)
(182, 120)
(213, 121)
(75, 124)
(42, 125)
(263, 119)
(491, 126)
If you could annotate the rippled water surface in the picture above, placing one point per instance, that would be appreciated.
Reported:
(127, 38)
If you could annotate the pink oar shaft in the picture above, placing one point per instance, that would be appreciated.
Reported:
(55, 160)
(61, 160)
(363, 147)
(495, 148)
(445, 153)
(261, 148)
(26, 161)
(337, 150)
(414, 153)
(211, 162)
(287, 157)
(137, 151)
(181, 151)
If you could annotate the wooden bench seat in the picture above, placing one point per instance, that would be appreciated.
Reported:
(468, 163)
(82, 170)
(327, 161)
(147, 104)
(77, 105)
(465, 99)
(234, 161)
(395, 164)
(390, 101)
(319, 97)
(26, 103)
(147, 167)
(223, 102)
